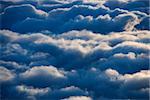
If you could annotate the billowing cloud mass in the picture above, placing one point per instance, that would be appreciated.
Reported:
(78, 15)
(74, 50)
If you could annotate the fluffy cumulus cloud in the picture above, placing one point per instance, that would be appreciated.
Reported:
(74, 50)
(6, 74)
(140, 5)
(49, 76)
(77, 15)
(78, 98)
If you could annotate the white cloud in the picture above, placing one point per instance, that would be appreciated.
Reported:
(75, 16)
(43, 70)
(74, 50)
(31, 90)
(78, 98)
(5, 75)
(43, 76)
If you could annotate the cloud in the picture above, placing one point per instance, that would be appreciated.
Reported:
(136, 85)
(66, 92)
(78, 98)
(86, 48)
(64, 17)
(102, 24)
(139, 5)
(73, 50)
(31, 90)
(49, 76)
(128, 62)
(44, 93)
(47, 63)
(5, 75)
(19, 13)
(93, 83)
(111, 79)
(143, 24)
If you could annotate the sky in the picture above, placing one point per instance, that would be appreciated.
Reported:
(74, 50)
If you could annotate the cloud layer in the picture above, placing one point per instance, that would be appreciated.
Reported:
(74, 50)
(35, 64)
(77, 15)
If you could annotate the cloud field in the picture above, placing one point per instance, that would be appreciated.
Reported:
(74, 50)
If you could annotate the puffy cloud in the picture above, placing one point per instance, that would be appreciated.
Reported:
(93, 83)
(111, 83)
(86, 48)
(44, 93)
(136, 85)
(139, 5)
(74, 49)
(19, 13)
(65, 17)
(143, 24)
(78, 98)
(31, 90)
(48, 76)
(66, 92)
(128, 62)
(11, 65)
(102, 24)
(5, 75)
